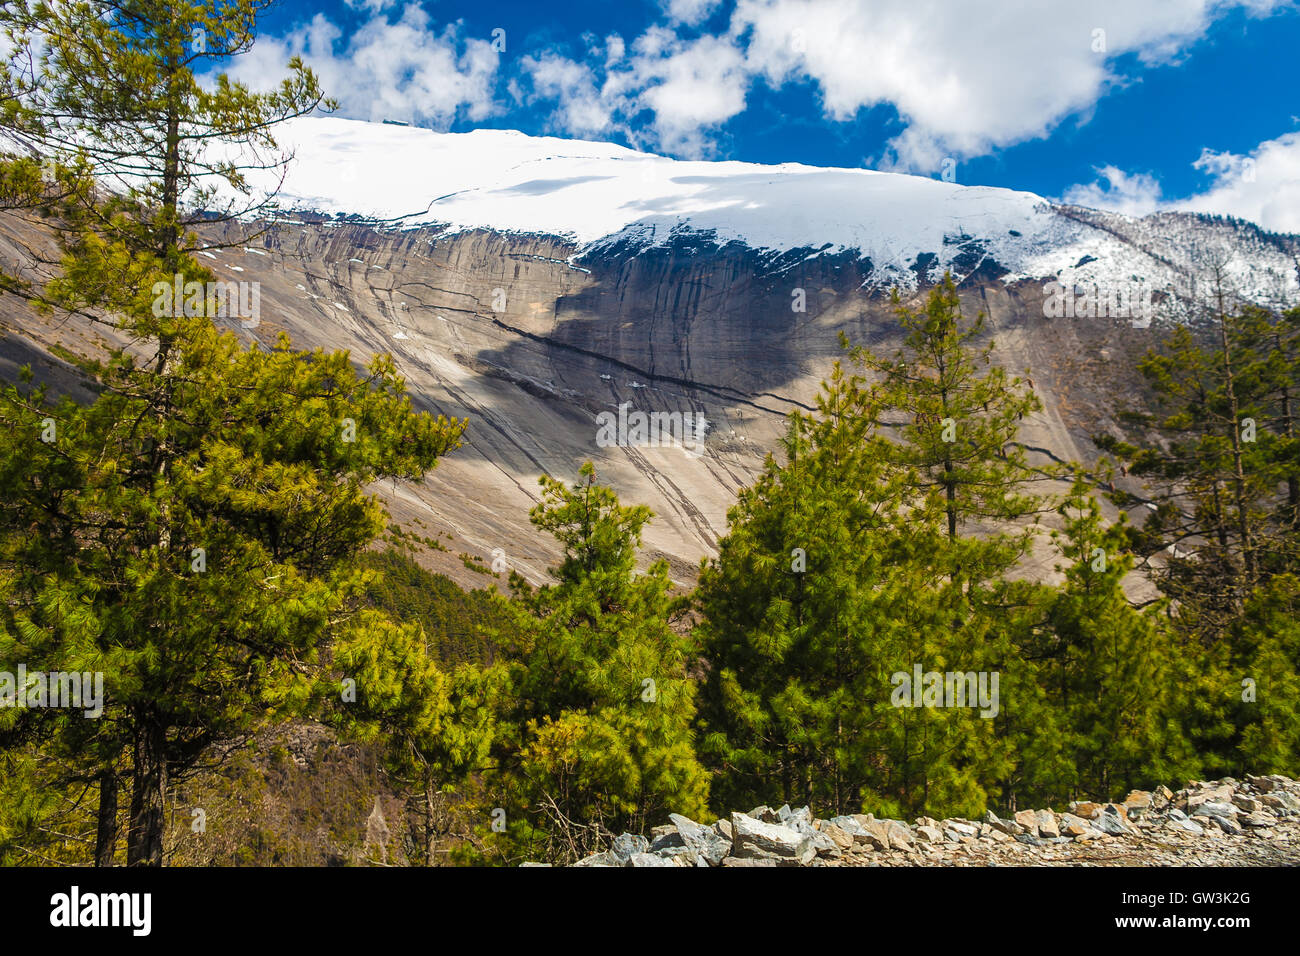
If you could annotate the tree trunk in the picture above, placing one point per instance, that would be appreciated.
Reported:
(144, 842)
(1288, 429)
(1244, 529)
(106, 824)
(429, 836)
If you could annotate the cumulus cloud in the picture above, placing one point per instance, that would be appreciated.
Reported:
(691, 12)
(687, 88)
(583, 110)
(1133, 194)
(372, 6)
(966, 78)
(1263, 187)
(402, 69)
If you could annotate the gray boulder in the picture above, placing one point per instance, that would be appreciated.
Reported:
(1258, 819)
(1048, 827)
(651, 859)
(1109, 821)
(627, 844)
(669, 841)
(1228, 825)
(706, 843)
(790, 817)
(754, 839)
(852, 827)
(1178, 820)
(1010, 827)
(928, 834)
(1217, 810)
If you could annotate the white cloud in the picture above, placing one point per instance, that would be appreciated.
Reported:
(582, 110)
(400, 69)
(691, 12)
(1263, 187)
(372, 6)
(966, 78)
(688, 86)
(1133, 194)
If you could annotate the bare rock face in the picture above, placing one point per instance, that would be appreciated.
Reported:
(531, 338)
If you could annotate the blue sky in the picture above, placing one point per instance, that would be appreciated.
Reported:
(1130, 104)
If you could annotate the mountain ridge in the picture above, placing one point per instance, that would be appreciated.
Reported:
(600, 196)
(531, 335)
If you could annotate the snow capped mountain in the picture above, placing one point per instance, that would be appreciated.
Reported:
(531, 284)
(600, 196)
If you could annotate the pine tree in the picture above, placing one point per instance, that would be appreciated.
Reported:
(789, 692)
(1107, 671)
(1221, 471)
(960, 422)
(908, 551)
(830, 585)
(601, 701)
(437, 726)
(122, 86)
(178, 559)
(1273, 340)
(1262, 678)
(960, 414)
(199, 527)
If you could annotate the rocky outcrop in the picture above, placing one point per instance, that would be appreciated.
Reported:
(530, 345)
(1216, 823)
(531, 337)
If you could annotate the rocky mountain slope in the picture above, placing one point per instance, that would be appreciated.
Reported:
(530, 284)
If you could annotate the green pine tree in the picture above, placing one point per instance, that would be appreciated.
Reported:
(199, 530)
(960, 415)
(1107, 672)
(601, 700)
(1221, 471)
(1262, 680)
(437, 726)
(831, 584)
(183, 556)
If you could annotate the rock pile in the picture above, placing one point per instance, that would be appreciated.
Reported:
(1146, 827)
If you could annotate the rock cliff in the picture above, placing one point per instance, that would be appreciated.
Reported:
(533, 334)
